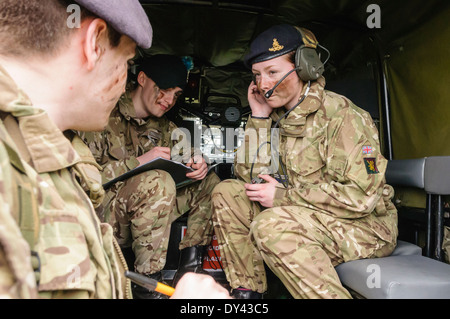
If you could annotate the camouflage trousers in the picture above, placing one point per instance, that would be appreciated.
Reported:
(446, 244)
(293, 243)
(142, 209)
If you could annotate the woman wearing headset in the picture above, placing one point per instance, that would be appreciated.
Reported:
(323, 200)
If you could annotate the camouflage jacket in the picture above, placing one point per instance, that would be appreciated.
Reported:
(127, 137)
(79, 258)
(331, 153)
(17, 278)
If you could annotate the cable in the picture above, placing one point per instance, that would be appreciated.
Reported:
(218, 261)
(214, 143)
(325, 49)
(285, 181)
(254, 158)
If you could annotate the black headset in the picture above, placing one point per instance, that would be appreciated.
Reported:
(307, 60)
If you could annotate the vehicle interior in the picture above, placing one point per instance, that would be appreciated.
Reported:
(390, 58)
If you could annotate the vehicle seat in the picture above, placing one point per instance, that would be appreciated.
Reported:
(406, 274)
(406, 249)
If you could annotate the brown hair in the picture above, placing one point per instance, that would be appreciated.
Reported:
(38, 27)
(291, 56)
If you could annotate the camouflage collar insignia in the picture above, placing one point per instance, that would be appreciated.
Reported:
(276, 46)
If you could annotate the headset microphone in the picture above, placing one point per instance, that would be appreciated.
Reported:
(270, 92)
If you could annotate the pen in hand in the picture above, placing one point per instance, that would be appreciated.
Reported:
(149, 283)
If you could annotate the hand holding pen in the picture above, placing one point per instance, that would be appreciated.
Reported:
(190, 286)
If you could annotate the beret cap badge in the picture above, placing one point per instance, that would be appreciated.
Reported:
(276, 46)
(274, 42)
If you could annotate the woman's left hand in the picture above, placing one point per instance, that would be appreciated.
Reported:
(263, 193)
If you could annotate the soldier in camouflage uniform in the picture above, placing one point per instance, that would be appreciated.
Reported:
(52, 245)
(142, 208)
(330, 203)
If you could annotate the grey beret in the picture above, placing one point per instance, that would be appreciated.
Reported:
(125, 16)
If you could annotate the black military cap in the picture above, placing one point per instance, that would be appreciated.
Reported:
(274, 42)
(167, 71)
(126, 16)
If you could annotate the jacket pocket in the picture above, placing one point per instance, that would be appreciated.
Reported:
(309, 160)
(65, 259)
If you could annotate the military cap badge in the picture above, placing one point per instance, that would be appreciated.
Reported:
(276, 46)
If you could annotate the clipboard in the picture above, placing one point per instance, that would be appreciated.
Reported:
(177, 170)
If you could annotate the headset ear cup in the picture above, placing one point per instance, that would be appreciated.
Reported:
(298, 62)
(308, 64)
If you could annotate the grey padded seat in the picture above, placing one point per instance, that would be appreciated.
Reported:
(354, 274)
(403, 275)
(406, 274)
(406, 249)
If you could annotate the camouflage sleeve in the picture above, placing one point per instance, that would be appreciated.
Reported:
(173, 137)
(17, 278)
(179, 141)
(253, 157)
(356, 169)
(106, 147)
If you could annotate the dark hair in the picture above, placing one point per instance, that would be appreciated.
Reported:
(38, 26)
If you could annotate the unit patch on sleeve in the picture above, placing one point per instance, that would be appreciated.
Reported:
(371, 165)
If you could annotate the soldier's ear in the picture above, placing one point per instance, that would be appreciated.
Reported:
(96, 39)
(141, 78)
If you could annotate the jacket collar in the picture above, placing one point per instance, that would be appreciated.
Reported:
(49, 149)
(126, 108)
(12, 99)
(294, 124)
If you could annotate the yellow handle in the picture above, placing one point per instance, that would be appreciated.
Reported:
(164, 289)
